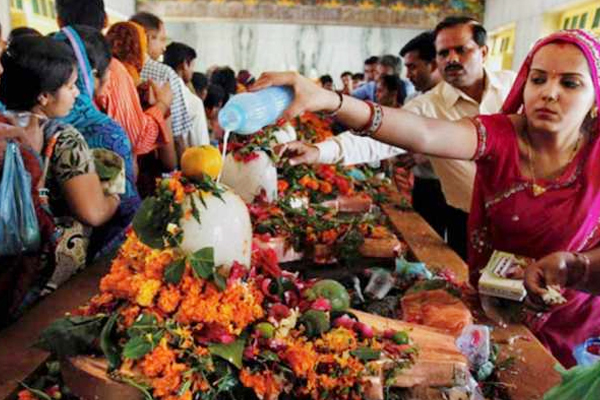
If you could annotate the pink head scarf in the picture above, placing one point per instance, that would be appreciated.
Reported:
(589, 45)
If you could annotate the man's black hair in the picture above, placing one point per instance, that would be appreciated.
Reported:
(326, 79)
(391, 82)
(33, 66)
(479, 32)
(424, 44)
(22, 31)
(391, 61)
(225, 78)
(82, 12)
(149, 21)
(96, 47)
(359, 76)
(199, 81)
(215, 97)
(346, 73)
(372, 60)
(178, 53)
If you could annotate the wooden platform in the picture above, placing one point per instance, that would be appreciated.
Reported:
(533, 373)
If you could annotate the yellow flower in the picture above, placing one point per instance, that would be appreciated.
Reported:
(147, 291)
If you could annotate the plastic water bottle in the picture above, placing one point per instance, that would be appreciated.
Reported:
(588, 353)
(247, 113)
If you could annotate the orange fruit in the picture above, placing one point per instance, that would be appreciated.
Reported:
(199, 160)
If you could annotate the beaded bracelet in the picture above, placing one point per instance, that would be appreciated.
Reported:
(375, 121)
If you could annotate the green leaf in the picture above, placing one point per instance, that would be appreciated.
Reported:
(220, 281)
(146, 227)
(108, 345)
(144, 325)
(174, 271)
(71, 336)
(366, 354)
(141, 387)
(203, 262)
(185, 387)
(139, 346)
(229, 352)
(37, 393)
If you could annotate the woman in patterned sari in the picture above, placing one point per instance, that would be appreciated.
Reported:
(537, 189)
(40, 76)
(99, 130)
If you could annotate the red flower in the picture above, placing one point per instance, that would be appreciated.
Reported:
(266, 261)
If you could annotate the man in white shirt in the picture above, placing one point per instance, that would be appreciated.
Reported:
(467, 90)
(181, 57)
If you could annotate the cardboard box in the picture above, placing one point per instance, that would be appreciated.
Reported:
(503, 276)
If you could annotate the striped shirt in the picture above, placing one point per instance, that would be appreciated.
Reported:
(120, 100)
(160, 73)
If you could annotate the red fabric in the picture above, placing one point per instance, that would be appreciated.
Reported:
(120, 100)
(505, 215)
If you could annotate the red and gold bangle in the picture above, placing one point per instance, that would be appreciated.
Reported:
(375, 121)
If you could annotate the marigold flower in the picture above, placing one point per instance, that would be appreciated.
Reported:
(301, 358)
(154, 363)
(171, 380)
(264, 384)
(168, 299)
(147, 291)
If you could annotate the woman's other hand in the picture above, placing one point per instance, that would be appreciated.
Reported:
(560, 269)
(298, 153)
(308, 96)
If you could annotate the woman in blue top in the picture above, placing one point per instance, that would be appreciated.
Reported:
(99, 130)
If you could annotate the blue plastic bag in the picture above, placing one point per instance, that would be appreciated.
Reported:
(19, 230)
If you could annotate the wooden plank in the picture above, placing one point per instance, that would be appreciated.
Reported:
(425, 244)
(533, 373)
(18, 359)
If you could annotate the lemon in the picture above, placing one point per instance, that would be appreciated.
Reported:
(199, 160)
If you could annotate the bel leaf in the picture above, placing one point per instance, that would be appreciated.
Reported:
(174, 271)
(108, 345)
(366, 354)
(71, 336)
(146, 227)
(145, 324)
(203, 262)
(139, 346)
(229, 352)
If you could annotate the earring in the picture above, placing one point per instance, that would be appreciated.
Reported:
(594, 112)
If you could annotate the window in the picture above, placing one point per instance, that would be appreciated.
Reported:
(596, 23)
(36, 6)
(583, 20)
(574, 22)
(44, 8)
(52, 10)
(501, 56)
(585, 16)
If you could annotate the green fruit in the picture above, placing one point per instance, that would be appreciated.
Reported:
(315, 322)
(333, 291)
(266, 330)
(401, 338)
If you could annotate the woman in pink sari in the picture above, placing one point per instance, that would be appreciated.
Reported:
(550, 217)
(537, 189)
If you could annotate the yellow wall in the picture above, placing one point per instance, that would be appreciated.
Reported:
(41, 15)
(585, 16)
(502, 48)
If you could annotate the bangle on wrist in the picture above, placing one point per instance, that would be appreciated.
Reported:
(374, 123)
(339, 107)
(578, 276)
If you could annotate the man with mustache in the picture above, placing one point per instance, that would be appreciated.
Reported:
(467, 90)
